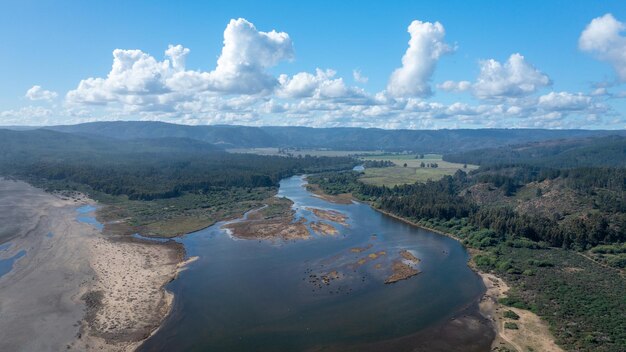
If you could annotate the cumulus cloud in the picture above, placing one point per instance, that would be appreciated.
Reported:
(359, 77)
(240, 90)
(426, 46)
(246, 54)
(564, 101)
(322, 85)
(28, 115)
(452, 86)
(514, 78)
(602, 38)
(38, 93)
(137, 78)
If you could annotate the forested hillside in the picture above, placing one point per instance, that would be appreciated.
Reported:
(145, 169)
(161, 186)
(343, 138)
(608, 151)
(538, 215)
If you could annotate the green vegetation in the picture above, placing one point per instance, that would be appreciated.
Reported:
(419, 168)
(336, 139)
(590, 152)
(510, 325)
(296, 152)
(509, 314)
(162, 187)
(535, 226)
(189, 212)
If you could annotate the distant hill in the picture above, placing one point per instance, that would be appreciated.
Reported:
(47, 143)
(340, 138)
(609, 151)
(144, 168)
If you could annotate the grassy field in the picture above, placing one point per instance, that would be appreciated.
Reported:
(397, 175)
(169, 217)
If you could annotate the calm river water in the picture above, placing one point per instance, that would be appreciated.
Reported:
(246, 295)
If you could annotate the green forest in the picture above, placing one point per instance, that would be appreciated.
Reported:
(145, 169)
(555, 230)
(162, 186)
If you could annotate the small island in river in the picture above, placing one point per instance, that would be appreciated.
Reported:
(403, 268)
(273, 221)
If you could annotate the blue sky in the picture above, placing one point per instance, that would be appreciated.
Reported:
(472, 63)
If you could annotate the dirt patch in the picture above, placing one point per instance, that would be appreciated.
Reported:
(330, 215)
(273, 222)
(401, 271)
(361, 249)
(531, 334)
(324, 229)
(370, 257)
(409, 256)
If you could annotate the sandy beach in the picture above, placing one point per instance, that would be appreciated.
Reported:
(532, 333)
(75, 289)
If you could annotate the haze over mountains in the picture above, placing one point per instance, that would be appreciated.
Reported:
(340, 138)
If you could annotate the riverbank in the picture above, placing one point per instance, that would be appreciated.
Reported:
(531, 333)
(76, 289)
(343, 198)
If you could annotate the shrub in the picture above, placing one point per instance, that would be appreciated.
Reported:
(510, 326)
(509, 314)
(514, 302)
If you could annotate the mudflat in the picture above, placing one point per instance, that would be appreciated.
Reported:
(75, 289)
(40, 301)
(275, 221)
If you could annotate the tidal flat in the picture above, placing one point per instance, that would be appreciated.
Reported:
(77, 290)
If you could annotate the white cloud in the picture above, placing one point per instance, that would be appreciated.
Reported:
(240, 90)
(322, 85)
(38, 93)
(426, 46)
(452, 86)
(600, 91)
(138, 79)
(359, 77)
(602, 38)
(246, 54)
(564, 101)
(514, 78)
(28, 115)
(303, 84)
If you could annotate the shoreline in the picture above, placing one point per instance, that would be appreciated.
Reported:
(77, 289)
(131, 276)
(533, 332)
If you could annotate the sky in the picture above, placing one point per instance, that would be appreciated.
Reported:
(385, 64)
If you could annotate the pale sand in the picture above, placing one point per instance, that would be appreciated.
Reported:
(77, 290)
(532, 335)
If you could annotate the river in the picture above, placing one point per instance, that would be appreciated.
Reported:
(248, 295)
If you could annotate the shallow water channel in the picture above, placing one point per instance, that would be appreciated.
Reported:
(249, 295)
